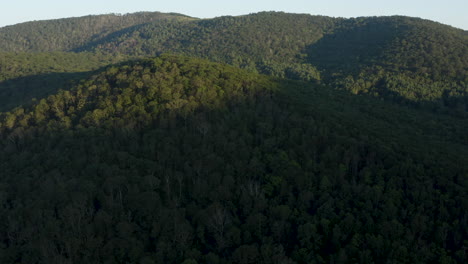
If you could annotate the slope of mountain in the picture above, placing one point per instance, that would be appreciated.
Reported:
(178, 160)
(399, 58)
(403, 59)
(24, 76)
(70, 33)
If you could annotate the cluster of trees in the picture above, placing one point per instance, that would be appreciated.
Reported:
(177, 160)
(409, 89)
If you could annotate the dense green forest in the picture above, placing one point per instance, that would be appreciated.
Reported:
(72, 33)
(406, 60)
(174, 159)
(265, 138)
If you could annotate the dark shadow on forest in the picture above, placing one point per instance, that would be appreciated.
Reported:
(20, 91)
(348, 52)
(350, 48)
(448, 105)
(108, 38)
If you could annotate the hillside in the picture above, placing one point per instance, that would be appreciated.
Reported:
(406, 60)
(27, 76)
(401, 58)
(71, 33)
(172, 159)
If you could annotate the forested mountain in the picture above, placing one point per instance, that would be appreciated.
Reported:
(264, 138)
(403, 59)
(173, 159)
(71, 33)
(397, 57)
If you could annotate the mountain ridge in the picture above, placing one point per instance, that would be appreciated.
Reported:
(403, 59)
(95, 26)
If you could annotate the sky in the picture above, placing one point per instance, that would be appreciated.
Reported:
(450, 12)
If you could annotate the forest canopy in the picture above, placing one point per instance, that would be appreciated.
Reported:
(265, 138)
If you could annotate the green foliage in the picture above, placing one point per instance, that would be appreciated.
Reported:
(173, 159)
(375, 51)
(406, 60)
(25, 76)
(72, 33)
(399, 58)
(178, 160)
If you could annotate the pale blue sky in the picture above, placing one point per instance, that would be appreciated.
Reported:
(451, 12)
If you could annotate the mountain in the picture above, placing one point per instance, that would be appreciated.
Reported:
(71, 33)
(265, 138)
(402, 59)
